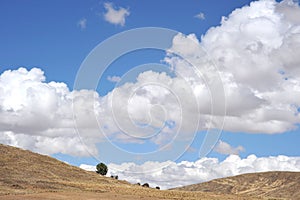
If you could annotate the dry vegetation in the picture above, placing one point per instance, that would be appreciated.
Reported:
(267, 184)
(27, 175)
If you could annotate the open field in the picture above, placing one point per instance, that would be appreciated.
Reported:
(265, 184)
(27, 175)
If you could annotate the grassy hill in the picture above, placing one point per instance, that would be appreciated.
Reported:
(266, 184)
(25, 171)
(28, 175)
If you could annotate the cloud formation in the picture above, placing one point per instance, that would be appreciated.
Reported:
(226, 149)
(114, 79)
(255, 49)
(82, 23)
(259, 72)
(169, 175)
(38, 116)
(200, 16)
(114, 15)
(257, 66)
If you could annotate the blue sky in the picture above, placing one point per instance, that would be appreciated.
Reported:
(46, 35)
(56, 36)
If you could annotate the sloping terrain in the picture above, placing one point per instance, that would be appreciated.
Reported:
(23, 170)
(265, 184)
(27, 175)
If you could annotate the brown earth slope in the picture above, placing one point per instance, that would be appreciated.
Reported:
(23, 170)
(266, 184)
(27, 175)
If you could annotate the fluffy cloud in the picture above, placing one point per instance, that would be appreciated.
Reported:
(257, 68)
(115, 16)
(255, 50)
(225, 148)
(169, 174)
(114, 79)
(200, 16)
(252, 52)
(37, 115)
(82, 23)
(88, 167)
(154, 104)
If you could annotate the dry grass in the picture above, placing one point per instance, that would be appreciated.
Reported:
(280, 185)
(27, 175)
(25, 172)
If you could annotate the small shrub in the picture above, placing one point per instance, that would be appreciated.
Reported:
(146, 185)
(101, 169)
(157, 187)
(115, 177)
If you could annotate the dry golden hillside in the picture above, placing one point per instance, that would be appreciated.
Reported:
(267, 184)
(27, 175)
(25, 171)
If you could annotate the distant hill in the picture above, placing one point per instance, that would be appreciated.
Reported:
(22, 170)
(266, 184)
(28, 175)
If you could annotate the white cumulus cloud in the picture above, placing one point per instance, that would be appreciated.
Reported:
(225, 148)
(88, 167)
(200, 16)
(255, 49)
(256, 66)
(114, 15)
(37, 115)
(170, 174)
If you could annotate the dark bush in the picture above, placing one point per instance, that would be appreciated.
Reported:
(145, 185)
(157, 187)
(115, 177)
(101, 169)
